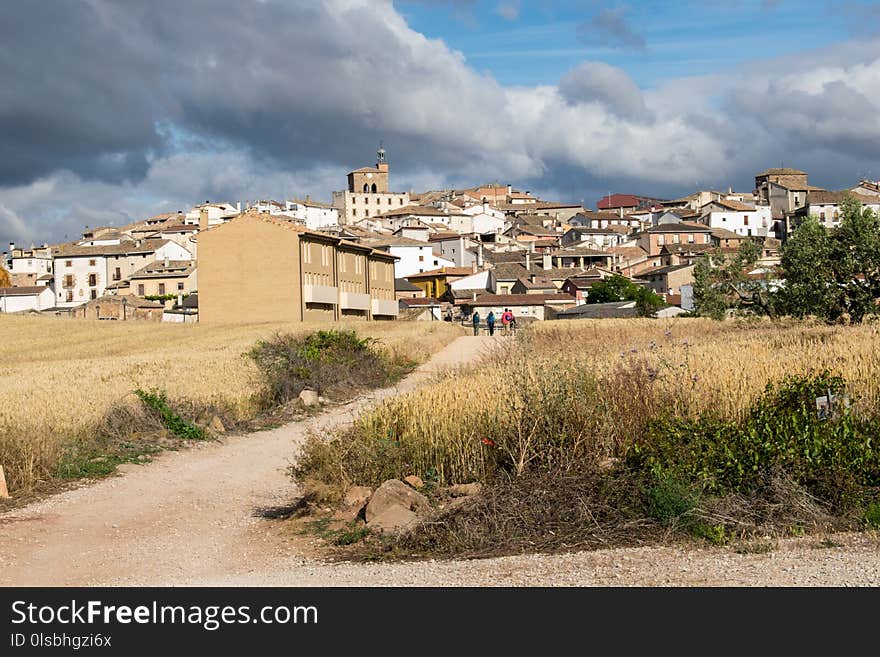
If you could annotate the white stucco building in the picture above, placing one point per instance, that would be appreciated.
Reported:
(414, 256)
(19, 299)
(739, 218)
(82, 273)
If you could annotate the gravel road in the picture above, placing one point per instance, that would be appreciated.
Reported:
(187, 519)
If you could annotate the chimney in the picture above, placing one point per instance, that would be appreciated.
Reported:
(547, 261)
(308, 198)
(480, 254)
(11, 247)
(474, 267)
(510, 189)
(238, 207)
(166, 262)
(203, 219)
(531, 278)
(460, 259)
(485, 205)
(528, 261)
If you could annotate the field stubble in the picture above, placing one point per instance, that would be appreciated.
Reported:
(61, 379)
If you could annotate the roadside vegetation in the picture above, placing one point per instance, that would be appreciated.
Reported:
(624, 432)
(80, 397)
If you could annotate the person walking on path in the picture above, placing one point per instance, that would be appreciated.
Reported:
(490, 322)
(476, 320)
(506, 319)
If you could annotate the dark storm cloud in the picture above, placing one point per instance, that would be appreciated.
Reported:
(124, 108)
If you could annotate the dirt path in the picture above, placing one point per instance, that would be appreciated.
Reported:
(187, 516)
(186, 519)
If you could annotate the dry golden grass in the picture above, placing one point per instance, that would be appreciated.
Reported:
(585, 384)
(60, 375)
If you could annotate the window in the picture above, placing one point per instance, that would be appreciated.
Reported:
(661, 240)
(690, 238)
(69, 296)
(373, 189)
(401, 201)
(836, 216)
(421, 258)
(822, 216)
(366, 213)
(94, 294)
(366, 188)
(68, 263)
(354, 212)
(30, 262)
(93, 280)
(141, 290)
(180, 287)
(675, 239)
(117, 274)
(69, 280)
(161, 288)
(91, 263)
(745, 220)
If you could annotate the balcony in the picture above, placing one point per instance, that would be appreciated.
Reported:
(320, 294)
(385, 307)
(354, 301)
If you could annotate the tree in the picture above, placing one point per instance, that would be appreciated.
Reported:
(722, 282)
(620, 288)
(834, 274)
(5, 280)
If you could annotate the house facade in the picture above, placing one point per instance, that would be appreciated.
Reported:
(259, 269)
(21, 299)
(83, 273)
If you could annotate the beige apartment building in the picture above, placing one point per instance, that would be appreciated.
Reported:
(257, 268)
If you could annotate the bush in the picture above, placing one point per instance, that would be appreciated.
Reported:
(834, 459)
(158, 401)
(332, 362)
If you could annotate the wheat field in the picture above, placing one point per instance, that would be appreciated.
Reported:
(58, 375)
(591, 383)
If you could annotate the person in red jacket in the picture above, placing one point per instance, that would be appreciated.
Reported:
(506, 320)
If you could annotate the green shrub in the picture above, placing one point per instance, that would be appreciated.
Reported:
(332, 362)
(669, 498)
(157, 400)
(872, 515)
(833, 459)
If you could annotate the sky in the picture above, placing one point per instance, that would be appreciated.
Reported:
(115, 110)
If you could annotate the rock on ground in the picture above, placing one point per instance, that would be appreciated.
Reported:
(395, 492)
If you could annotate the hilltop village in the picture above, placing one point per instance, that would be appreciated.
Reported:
(378, 254)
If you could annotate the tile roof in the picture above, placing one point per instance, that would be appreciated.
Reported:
(733, 205)
(175, 269)
(781, 172)
(517, 300)
(24, 291)
(678, 228)
(610, 310)
(417, 210)
(125, 248)
(820, 197)
(403, 285)
(443, 271)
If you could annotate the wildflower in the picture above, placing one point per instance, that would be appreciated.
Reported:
(685, 343)
(488, 441)
(695, 378)
(634, 350)
(668, 333)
